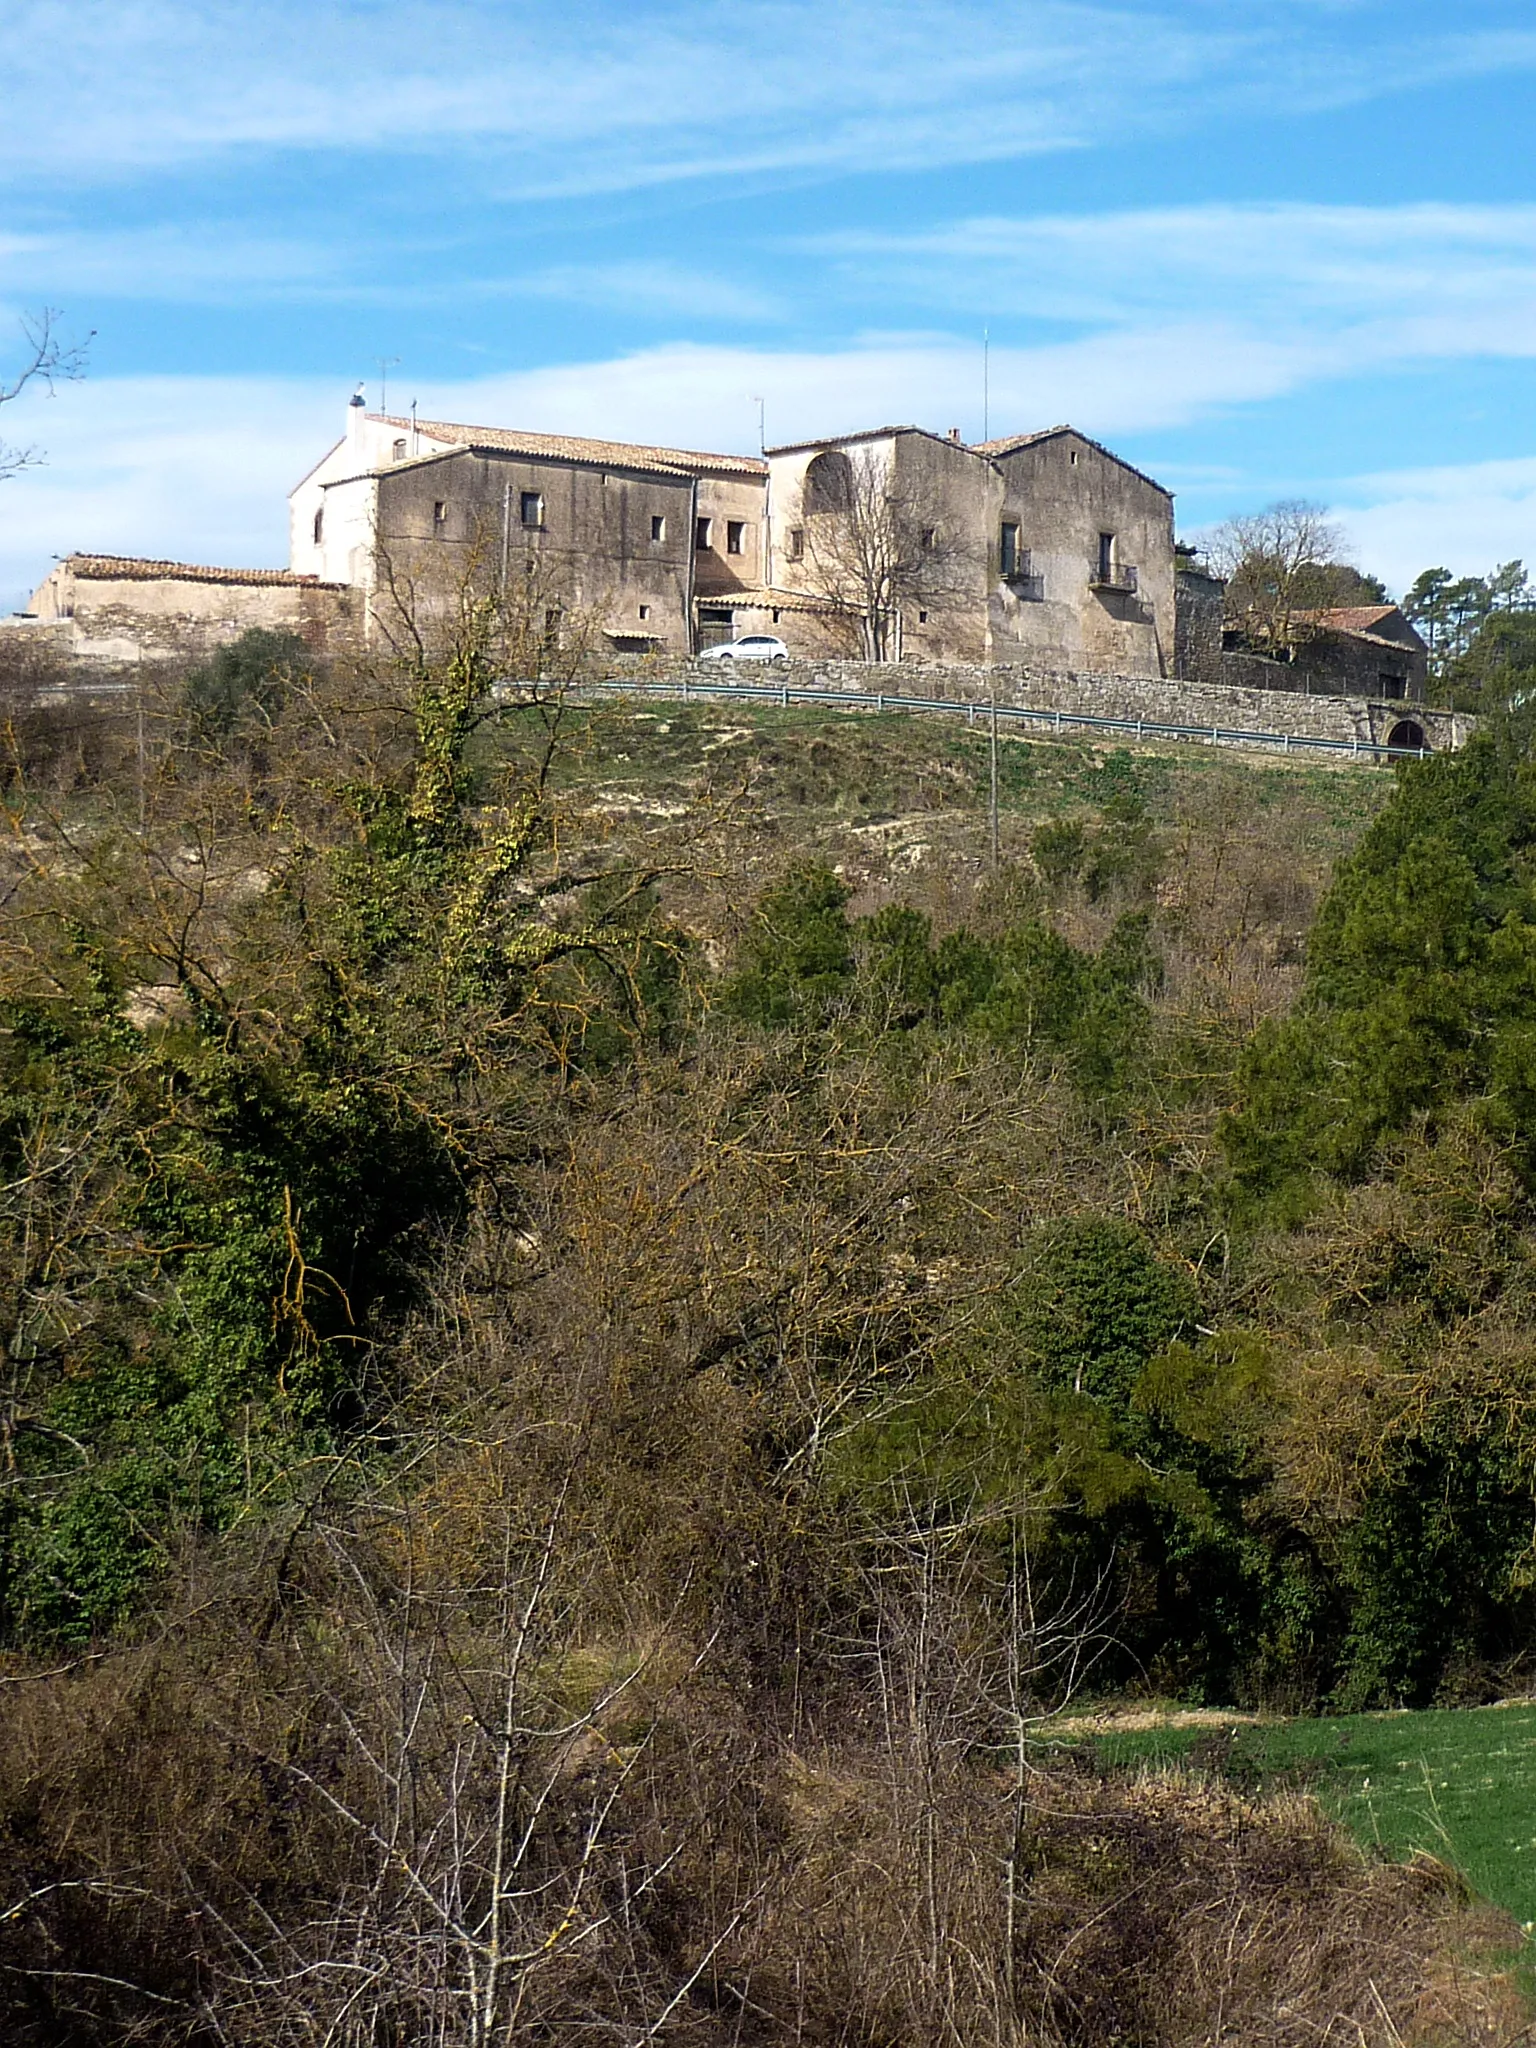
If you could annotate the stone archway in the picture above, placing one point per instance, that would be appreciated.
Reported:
(829, 483)
(1408, 733)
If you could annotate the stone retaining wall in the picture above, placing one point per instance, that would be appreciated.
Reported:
(1159, 700)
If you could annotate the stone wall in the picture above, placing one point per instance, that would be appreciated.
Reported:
(1157, 700)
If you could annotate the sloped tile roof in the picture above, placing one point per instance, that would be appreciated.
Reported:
(576, 448)
(761, 599)
(148, 569)
(1351, 618)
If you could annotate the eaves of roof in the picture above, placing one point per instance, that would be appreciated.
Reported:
(595, 454)
(1011, 443)
(147, 569)
(764, 598)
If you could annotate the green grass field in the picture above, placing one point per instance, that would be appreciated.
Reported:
(1459, 1783)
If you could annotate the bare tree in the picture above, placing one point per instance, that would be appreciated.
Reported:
(874, 544)
(1280, 563)
(48, 358)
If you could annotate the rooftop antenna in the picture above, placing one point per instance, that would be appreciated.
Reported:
(415, 438)
(986, 384)
(386, 364)
(762, 431)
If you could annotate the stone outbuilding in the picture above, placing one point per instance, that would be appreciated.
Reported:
(123, 608)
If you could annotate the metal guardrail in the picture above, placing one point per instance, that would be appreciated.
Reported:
(785, 694)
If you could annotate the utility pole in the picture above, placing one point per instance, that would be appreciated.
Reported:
(139, 693)
(986, 384)
(994, 778)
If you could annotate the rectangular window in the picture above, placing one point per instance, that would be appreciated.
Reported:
(775, 618)
(1393, 686)
(701, 535)
(930, 539)
(645, 611)
(1106, 557)
(1008, 548)
(658, 526)
(797, 543)
(399, 449)
(735, 533)
(319, 524)
(922, 618)
(532, 508)
(439, 515)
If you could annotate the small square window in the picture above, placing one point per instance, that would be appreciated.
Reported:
(532, 508)
(399, 449)
(797, 543)
(922, 618)
(701, 531)
(439, 514)
(735, 532)
(658, 526)
(775, 618)
(645, 611)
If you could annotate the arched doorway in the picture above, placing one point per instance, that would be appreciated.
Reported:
(1407, 733)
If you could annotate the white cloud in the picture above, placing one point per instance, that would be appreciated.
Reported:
(1465, 518)
(1416, 279)
(594, 96)
(588, 97)
(650, 288)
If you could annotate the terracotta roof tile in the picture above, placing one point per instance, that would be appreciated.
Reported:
(1350, 618)
(761, 599)
(576, 448)
(146, 569)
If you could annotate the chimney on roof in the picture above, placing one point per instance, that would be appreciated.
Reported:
(356, 412)
(954, 435)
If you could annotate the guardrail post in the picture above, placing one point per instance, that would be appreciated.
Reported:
(1138, 728)
(1354, 743)
(1287, 747)
(880, 701)
(1058, 718)
(685, 689)
(784, 695)
(970, 714)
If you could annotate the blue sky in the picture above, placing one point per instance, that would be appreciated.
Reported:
(1263, 250)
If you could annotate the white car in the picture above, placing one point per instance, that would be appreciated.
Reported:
(750, 647)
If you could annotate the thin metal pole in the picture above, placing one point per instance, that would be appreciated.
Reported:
(506, 533)
(994, 778)
(141, 752)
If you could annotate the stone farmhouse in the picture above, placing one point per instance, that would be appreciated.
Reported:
(892, 544)
(1041, 551)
